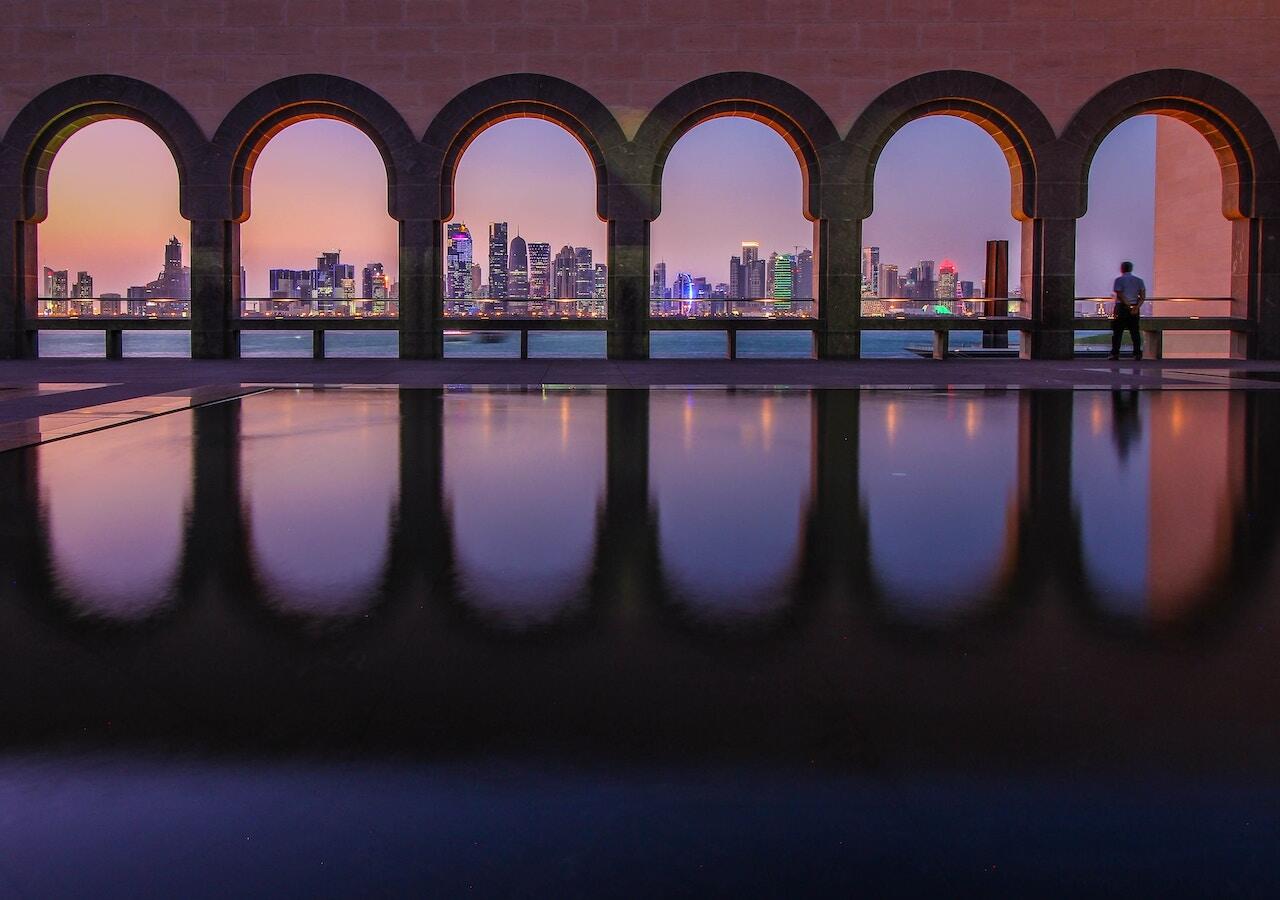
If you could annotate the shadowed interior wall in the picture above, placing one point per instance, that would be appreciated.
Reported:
(1192, 237)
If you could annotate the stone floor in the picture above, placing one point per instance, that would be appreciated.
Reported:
(32, 388)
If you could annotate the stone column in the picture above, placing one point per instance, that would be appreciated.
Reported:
(1049, 285)
(628, 289)
(421, 289)
(19, 290)
(1255, 285)
(626, 566)
(838, 285)
(215, 288)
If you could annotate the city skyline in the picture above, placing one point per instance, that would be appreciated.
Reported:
(86, 230)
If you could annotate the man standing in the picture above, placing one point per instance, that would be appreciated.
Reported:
(1130, 292)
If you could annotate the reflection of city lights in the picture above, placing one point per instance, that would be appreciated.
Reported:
(688, 421)
(971, 417)
(1096, 416)
(766, 423)
(891, 421)
(564, 423)
(1177, 416)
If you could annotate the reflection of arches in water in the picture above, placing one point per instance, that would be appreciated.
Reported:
(524, 478)
(732, 494)
(1159, 480)
(320, 473)
(938, 477)
(115, 505)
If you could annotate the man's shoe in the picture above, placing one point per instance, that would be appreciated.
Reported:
(1114, 356)
(1137, 357)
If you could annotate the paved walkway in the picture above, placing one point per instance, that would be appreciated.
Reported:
(31, 388)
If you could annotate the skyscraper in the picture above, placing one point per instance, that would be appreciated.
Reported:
(374, 282)
(539, 271)
(888, 281)
(83, 288)
(564, 274)
(658, 290)
(802, 276)
(498, 261)
(55, 284)
(459, 256)
(870, 269)
(518, 270)
(782, 277)
(735, 277)
(682, 287)
(477, 281)
(945, 289)
(754, 277)
(585, 275)
(600, 289)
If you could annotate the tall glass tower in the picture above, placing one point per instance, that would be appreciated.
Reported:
(498, 261)
(518, 270)
(459, 255)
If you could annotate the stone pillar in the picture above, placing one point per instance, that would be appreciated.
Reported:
(1255, 285)
(1048, 537)
(1049, 285)
(837, 554)
(629, 280)
(838, 285)
(19, 290)
(215, 288)
(421, 532)
(421, 289)
(626, 566)
(216, 553)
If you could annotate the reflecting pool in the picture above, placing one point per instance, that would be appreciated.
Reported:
(1058, 601)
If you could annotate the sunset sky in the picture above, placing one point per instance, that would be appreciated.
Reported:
(942, 190)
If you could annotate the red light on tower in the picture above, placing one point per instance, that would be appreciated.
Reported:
(947, 267)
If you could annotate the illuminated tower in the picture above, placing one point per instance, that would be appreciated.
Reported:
(518, 270)
(459, 256)
(782, 276)
(802, 276)
(564, 274)
(600, 281)
(498, 261)
(753, 271)
(658, 290)
(870, 269)
(374, 284)
(888, 281)
(585, 275)
(945, 289)
(539, 271)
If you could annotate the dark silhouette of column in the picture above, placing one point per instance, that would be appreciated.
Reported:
(215, 288)
(626, 567)
(421, 542)
(421, 289)
(1049, 284)
(1255, 286)
(628, 253)
(216, 548)
(996, 286)
(19, 289)
(838, 285)
(837, 552)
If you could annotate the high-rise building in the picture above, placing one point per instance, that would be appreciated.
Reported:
(945, 287)
(458, 254)
(802, 276)
(750, 252)
(564, 274)
(870, 269)
(518, 270)
(888, 281)
(174, 281)
(735, 277)
(83, 288)
(55, 284)
(600, 282)
(477, 281)
(498, 261)
(782, 277)
(585, 275)
(658, 290)
(682, 287)
(539, 271)
(754, 277)
(295, 284)
(374, 283)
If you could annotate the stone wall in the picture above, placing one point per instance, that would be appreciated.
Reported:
(630, 53)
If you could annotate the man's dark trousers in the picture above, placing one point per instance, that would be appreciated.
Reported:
(1125, 319)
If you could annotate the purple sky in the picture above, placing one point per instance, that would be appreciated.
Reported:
(942, 190)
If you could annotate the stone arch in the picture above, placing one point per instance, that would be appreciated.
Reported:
(790, 112)
(251, 124)
(522, 95)
(51, 118)
(1238, 133)
(1016, 124)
